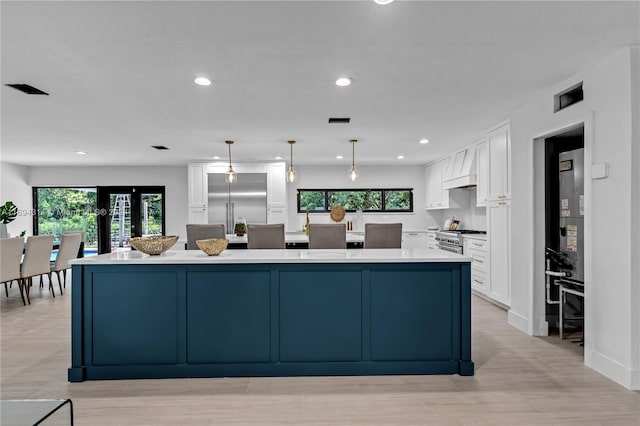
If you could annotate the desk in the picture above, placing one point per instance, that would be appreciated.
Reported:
(27, 412)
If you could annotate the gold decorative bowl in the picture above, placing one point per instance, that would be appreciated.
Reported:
(153, 245)
(212, 246)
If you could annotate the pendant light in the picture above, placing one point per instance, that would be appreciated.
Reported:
(353, 172)
(230, 175)
(291, 174)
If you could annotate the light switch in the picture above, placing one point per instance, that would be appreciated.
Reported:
(599, 170)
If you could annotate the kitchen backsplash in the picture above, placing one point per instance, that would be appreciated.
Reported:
(469, 215)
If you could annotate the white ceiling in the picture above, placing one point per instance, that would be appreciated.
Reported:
(120, 75)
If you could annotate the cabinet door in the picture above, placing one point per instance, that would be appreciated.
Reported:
(198, 215)
(428, 186)
(197, 185)
(414, 240)
(276, 193)
(499, 239)
(482, 165)
(443, 198)
(499, 164)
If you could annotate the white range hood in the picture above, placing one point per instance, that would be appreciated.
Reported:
(461, 171)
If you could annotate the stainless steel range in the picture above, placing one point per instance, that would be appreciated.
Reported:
(452, 240)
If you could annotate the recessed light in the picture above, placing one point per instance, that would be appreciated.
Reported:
(203, 81)
(216, 157)
(81, 153)
(383, 2)
(423, 141)
(400, 157)
(278, 158)
(344, 81)
(339, 157)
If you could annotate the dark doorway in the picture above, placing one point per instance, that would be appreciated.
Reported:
(564, 230)
(128, 211)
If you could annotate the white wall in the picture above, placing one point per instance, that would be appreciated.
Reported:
(174, 179)
(611, 219)
(15, 187)
(335, 177)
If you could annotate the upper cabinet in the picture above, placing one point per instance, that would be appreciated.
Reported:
(276, 193)
(499, 144)
(436, 197)
(482, 172)
(197, 185)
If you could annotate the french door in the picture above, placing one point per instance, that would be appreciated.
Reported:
(128, 211)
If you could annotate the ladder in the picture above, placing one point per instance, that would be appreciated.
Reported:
(122, 218)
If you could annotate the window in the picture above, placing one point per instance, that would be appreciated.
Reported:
(57, 210)
(368, 200)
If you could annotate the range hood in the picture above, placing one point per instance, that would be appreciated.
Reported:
(461, 170)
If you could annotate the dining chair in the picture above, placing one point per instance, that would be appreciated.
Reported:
(82, 240)
(382, 235)
(197, 232)
(270, 236)
(10, 257)
(69, 246)
(36, 262)
(327, 236)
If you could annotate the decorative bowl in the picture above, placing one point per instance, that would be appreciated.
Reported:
(153, 245)
(213, 246)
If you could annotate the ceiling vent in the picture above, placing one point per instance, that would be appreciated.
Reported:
(159, 147)
(336, 120)
(28, 89)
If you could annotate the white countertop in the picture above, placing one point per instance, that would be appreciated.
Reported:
(420, 255)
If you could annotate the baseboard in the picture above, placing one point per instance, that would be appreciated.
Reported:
(518, 321)
(613, 370)
(540, 327)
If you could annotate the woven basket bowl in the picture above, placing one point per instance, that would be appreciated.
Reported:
(153, 245)
(212, 246)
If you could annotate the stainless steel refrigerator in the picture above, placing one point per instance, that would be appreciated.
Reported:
(572, 210)
(245, 199)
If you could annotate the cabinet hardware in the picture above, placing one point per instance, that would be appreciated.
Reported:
(479, 282)
(502, 196)
(502, 203)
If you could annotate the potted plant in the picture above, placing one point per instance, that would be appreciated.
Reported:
(240, 229)
(8, 213)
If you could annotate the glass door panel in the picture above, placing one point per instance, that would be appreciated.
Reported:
(152, 213)
(120, 221)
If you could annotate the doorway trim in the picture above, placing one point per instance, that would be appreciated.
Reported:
(537, 323)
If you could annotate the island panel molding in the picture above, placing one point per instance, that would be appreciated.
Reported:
(213, 319)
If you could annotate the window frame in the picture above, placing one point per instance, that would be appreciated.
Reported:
(327, 191)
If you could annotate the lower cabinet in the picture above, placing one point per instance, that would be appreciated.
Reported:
(431, 240)
(499, 243)
(414, 239)
(477, 249)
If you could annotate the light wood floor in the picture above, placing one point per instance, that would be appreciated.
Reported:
(520, 380)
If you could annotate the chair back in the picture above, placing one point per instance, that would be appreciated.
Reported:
(270, 236)
(197, 232)
(382, 235)
(10, 258)
(68, 250)
(37, 256)
(327, 236)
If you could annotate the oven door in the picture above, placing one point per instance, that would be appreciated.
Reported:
(453, 248)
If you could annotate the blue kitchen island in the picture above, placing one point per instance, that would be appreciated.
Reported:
(271, 313)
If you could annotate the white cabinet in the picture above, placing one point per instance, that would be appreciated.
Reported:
(414, 240)
(499, 143)
(431, 240)
(436, 197)
(276, 193)
(477, 249)
(197, 193)
(482, 172)
(499, 239)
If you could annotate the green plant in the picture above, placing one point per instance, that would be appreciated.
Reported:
(8, 212)
(240, 228)
(23, 233)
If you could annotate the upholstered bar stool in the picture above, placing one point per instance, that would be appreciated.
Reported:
(327, 236)
(197, 232)
(382, 235)
(270, 236)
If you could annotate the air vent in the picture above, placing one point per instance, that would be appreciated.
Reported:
(159, 147)
(336, 120)
(28, 89)
(566, 98)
